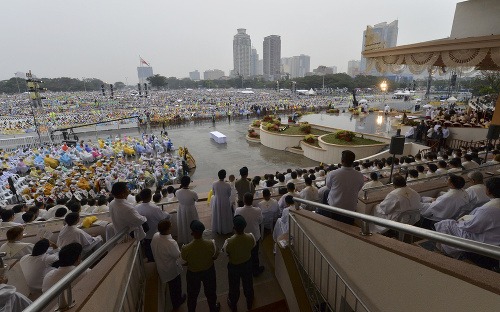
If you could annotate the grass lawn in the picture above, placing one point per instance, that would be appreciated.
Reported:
(355, 141)
(295, 130)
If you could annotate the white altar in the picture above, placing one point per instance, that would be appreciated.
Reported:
(218, 137)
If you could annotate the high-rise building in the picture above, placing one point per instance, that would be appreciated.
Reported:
(194, 75)
(296, 66)
(242, 46)
(260, 68)
(254, 63)
(213, 74)
(384, 35)
(272, 57)
(353, 68)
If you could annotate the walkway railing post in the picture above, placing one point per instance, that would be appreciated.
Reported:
(365, 229)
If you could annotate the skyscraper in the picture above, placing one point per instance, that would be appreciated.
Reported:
(254, 63)
(242, 46)
(384, 35)
(272, 57)
(194, 75)
(296, 66)
(353, 68)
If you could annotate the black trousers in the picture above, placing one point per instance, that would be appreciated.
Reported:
(255, 257)
(238, 272)
(175, 290)
(194, 280)
(146, 243)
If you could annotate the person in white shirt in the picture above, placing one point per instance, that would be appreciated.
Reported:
(52, 211)
(253, 217)
(10, 299)
(123, 214)
(432, 171)
(455, 165)
(290, 187)
(269, 208)
(447, 205)
(481, 225)
(296, 181)
(19, 210)
(154, 215)
(70, 233)
(69, 258)
(14, 247)
(282, 224)
(36, 265)
(477, 191)
(469, 163)
(7, 218)
(441, 167)
(373, 183)
(167, 255)
(310, 192)
(102, 205)
(399, 200)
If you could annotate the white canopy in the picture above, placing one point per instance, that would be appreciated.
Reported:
(311, 92)
(363, 101)
(452, 99)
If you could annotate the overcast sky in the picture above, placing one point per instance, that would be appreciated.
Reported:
(104, 38)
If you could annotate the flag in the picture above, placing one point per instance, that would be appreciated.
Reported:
(144, 62)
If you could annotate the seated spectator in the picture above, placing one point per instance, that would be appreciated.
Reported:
(469, 163)
(14, 247)
(447, 205)
(441, 167)
(373, 183)
(10, 299)
(19, 210)
(102, 205)
(281, 227)
(91, 205)
(50, 213)
(310, 192)
(432, 170)
(36, 265)
(157, 198)
(170, 197)
(481, 225)
(85, 205)
(8, 218)
(412, 175)
(399, 200)
(60, 213)
(270, 210)
(421, 171)
(69, 257)
(70, 233)
(477, 191)
(28, 217)
(290, 187)
(455, 165)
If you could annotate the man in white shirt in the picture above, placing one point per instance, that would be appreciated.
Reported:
(70, 233)
(8, 218)
(10, 299)
(310, 192)
(469, 163)
(477, 191)
(447, 205)
(441, 167)
(167, 254)
(52, 211)
(373, 183)
(270, 210)
(154, 215)
(290, 187)
(344, 184)
(399, 200)
(36, 265)
(481, 225)
(69, 258)
(253, 217)
(14, 247)
(123, 213)
(295, 180)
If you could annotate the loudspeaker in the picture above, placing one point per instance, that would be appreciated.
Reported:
(493, 132)
(397, 145)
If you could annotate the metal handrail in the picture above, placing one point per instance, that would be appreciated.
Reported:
(65, 283)
(437, 176)
(462, 243)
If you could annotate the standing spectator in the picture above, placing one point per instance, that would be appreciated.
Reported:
(253, 218)
(270, 210)
(186, 212)
(445, 134)
(153, 215)
(239, 250)
(123, 213)
(243, 185)
(199, 255)
(167, 254)
(344, 185)
(221, 205)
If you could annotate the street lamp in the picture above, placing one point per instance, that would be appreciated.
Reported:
(383, 87)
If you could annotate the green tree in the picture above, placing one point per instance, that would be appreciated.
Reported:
(158, 81)
(119, 85)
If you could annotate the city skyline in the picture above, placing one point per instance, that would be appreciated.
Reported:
(103, 39)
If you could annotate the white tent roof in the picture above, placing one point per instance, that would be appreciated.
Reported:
(452, 99)
(311, 92)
